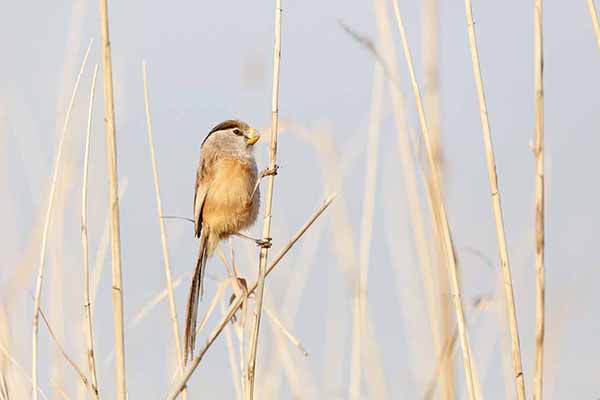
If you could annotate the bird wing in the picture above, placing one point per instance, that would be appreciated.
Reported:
(202, 184)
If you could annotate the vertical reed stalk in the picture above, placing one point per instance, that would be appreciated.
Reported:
(431, 92)
(595, 23)
(163, 233)
(540, 287)
(360, 294)
(111, 150)
(497, 207)
(264, 252)
(40, 274)
(410, 172)
(87, 304)
(431, 73)
(441, 212)
(235, 373)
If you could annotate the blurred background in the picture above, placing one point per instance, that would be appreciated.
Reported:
(343, 130)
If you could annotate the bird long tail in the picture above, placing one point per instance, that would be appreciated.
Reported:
(196, 290)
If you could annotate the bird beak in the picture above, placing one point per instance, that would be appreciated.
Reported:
(252, 136)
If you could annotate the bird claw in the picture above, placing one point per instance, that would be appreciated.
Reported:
(264, 243)
(269, 171)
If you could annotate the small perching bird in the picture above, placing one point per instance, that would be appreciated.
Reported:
(226, 201)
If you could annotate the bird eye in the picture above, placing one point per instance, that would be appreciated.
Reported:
(237, 132)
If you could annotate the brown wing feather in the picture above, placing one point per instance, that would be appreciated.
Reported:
(199, 196)
(203, 178)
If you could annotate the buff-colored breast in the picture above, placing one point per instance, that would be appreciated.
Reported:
(228, 208)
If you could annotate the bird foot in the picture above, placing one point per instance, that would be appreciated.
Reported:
(269, 171)
(264, 243)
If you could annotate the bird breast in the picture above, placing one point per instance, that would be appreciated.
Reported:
(228, 207)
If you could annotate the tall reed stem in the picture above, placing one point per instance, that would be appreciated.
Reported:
(264, 252)
(497, 207)
(40, 274)
(87, 303)
(366, 233)
(540, 287)
(163, 233)
(430, 39)
(440, 213)
(111, 150)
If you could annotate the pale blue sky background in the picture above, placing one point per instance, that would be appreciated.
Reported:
(210, 61)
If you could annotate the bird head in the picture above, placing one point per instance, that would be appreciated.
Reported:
(232, 135)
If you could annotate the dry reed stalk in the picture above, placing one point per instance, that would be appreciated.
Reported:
(239, 300)
(301, 383)
(237, 376)
(70, 361)
(242, 338)
(595, 23)
(235, 372)
(289, 306)
(264, 252)
(431, 93)
(431, 73)
(344, 244)
(53, 184)
(87, 304)
(285, 331)
(141, 314)
(100, 255)
(55, 260)
(497, 207)
(449, 348)
(298, 387)
(332, 166)
(230, 271)
(364, 348)
(488, 329)
(441, 212)
(148, 306)
(236, 272)
(163, 233)
(19, 368)
(361, 284)
(376, 379)
(56, 255)
(540, 287)
(111, 152)
(433, 282)
(56, 289)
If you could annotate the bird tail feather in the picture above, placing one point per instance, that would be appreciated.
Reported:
(196, 291)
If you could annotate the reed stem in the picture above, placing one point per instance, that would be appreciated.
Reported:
(497, 208)
(111, 150)
(264, 252)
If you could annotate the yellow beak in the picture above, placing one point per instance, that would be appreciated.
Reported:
(253, 136)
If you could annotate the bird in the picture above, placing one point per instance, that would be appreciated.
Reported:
(226, 201)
